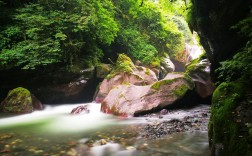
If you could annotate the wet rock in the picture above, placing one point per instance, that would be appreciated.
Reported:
(163, 111)
(125, 72)
(199, 70)
(80, 110)
(37, 105)
(20, 100)
(131, 99)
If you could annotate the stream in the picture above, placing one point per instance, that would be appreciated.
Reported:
(55, 132)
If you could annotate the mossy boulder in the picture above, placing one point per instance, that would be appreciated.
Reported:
(20, 100)
(102, 70)
(199, 70)
(129, 99)
(231, 115)
(125, 72)
(123, 64)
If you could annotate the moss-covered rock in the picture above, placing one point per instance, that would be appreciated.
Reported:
(19, 100)
(199, 70)
(227, 125)
(125, 72)
(123, 64)
(102, 70)
(170, 78)
(130, 99)
(195, 65)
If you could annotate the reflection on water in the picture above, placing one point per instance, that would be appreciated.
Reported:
(55, 132)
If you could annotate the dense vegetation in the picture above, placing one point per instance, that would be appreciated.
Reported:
(240, 65)
(37, 33)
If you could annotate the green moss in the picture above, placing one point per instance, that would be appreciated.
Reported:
(181, 90)
(222, 126)
(123, 64)
(158, 84)
(147, 72)
(19, 92)
(17, 100)
(155, 63)
(125, 83)
(189, 80)
(194, 64)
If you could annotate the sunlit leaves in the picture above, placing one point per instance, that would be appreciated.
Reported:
(60, 31)
(103, 22)
(61, 36)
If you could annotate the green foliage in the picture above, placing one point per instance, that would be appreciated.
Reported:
(80, 33)
(240, 65)
(102, 21)
(146, 34)
(183, 27)
(123, 64)
(46, 33)
(1, 3)
(178, 7)
(136, 45)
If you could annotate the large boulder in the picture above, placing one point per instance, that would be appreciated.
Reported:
(125, 72)
(20, 100)
(129, 99)
(199, 70)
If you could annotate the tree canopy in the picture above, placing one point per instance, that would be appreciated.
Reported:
(38, 33)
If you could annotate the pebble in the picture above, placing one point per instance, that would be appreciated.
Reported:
(158, 128)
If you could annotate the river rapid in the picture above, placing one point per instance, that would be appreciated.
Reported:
(55, 132)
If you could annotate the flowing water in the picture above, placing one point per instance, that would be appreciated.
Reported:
(54, 132)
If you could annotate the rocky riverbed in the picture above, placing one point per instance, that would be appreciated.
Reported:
(168, 132)
(168, 122)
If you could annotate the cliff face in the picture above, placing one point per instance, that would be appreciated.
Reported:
(213, 19)
(230, 125)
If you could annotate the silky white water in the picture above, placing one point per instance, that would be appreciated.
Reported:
(58, 118)
(54, 131)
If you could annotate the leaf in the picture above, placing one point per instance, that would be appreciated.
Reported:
(61, 36)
